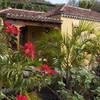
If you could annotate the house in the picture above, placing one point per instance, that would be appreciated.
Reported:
(34, 23)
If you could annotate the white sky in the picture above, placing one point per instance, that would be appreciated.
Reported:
(58, 1)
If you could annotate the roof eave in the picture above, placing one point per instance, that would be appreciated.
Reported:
(32, 18)
(80, 17)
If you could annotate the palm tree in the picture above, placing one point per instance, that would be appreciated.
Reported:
(66, 52)
(75, 46)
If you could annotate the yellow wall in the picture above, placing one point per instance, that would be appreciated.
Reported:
(66, 27)
(97, 27)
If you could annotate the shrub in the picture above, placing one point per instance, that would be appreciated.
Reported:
(20, 71)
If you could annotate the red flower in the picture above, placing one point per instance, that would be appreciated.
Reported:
(7, 30)
(28, 45)
(11, 28)
(88, 53)
(7, 23)
(15, 30)
(46, 69)
(29, 50)
(21, 97)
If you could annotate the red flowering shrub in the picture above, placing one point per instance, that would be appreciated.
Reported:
(23, 68)
(46, 69)
(11, 28)
(21, 97)
(7, 23)
(29, 50)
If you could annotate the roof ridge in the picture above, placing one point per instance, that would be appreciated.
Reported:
(62, 8)
(79, 8)
(27, 10)
(5, 9)
(90, 10)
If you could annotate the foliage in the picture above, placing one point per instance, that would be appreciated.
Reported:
(18, 66)
(82, 83)
(75, 55)
(90, 4)
(87, 4)
(51, 43)
(96, 6)
(78, 80)
(37, 5)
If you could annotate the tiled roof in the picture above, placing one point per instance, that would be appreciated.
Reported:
(64, 10)
(75, 12)
(27, 15)
(52, 12)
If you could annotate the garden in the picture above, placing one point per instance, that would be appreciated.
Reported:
(69, 66)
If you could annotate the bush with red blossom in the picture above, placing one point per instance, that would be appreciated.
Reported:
(47, 70)
(29, 50)
(11, 28)
(20, 71)
(21, 97)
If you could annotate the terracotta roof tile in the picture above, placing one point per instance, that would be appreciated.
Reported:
(52, 12)
(27, 15)
(21, 12)
(73, 11)
(64, 10)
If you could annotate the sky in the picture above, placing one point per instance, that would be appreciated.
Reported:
(58, 1)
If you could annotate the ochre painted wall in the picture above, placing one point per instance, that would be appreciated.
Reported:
(97, 27)
(66, 27)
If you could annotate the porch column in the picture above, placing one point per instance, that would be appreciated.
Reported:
(18, 37)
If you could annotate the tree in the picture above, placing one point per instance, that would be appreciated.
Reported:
(38, 5)
(87, 3)
(90, 4)
(74, 80)
(97, 6)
